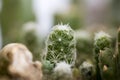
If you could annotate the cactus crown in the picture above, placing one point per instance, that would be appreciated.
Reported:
(61, 45)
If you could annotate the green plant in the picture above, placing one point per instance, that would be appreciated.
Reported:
(84, 47)
(101, 41)
(107, 64)
(117, 56)
(60, 45)
(31, 40)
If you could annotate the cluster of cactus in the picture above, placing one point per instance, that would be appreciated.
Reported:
(105, 57)
(61, 47)
(60, 61)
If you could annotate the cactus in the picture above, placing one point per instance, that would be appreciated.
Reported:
(102, 41)
(31, 40)
(60, 45)
(47, 66)
(84, 46)
(107, 64)
(117, 56)
(87, 71)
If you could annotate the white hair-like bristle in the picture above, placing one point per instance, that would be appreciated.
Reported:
(63, 68)
(86, 64)
(62, 27)
(101, 34)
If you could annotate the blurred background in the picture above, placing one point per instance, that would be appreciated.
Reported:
(20, 16)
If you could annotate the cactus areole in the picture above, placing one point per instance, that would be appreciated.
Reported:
(60, 45)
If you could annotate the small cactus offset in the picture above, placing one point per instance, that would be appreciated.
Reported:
(61, 45)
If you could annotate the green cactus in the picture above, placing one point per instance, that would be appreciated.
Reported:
(84, 47)
(47, 66)
(47, 69)
(101, 41)
(107, 64)
(60, 45)
(87, 71)
(117, 56)
(31, 40)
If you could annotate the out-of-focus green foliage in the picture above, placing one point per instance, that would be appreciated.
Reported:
(13, 15)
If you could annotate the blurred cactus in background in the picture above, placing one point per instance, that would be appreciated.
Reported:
(31, 39)
(61, 45)
(1, 42)
(87, 71)
(84, 46)
(101, 41)
(107, 64)
(117, 56)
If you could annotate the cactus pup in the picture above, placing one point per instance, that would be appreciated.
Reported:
(60, 45)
